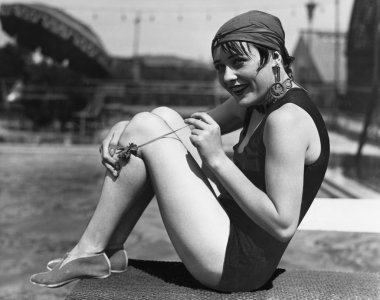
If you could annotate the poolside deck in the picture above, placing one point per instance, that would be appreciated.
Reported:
(170, 281)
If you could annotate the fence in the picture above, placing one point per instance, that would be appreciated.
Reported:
(83, 110)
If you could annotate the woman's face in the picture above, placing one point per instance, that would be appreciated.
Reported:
(239, 76)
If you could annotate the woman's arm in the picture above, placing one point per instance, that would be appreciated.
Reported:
(286, 140)
(277, 211)
(229, 115)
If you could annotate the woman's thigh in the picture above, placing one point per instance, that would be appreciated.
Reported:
(174, 120)
(195, 221)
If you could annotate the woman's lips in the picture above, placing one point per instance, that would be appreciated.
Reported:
(238, 89)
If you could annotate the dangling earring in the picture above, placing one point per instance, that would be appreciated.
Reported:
(277, 90)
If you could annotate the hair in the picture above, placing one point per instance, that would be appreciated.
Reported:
(238, 48)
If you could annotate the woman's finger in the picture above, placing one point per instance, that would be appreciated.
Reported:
(105, 143)
(103, 148)
(196, 131)
(114, 141)
(111, 141)
(108, 150)
(194, 140)
(112, 148)
(197, 123)
(106, 156)
(109, 147)
(205, 117)
(111, 168)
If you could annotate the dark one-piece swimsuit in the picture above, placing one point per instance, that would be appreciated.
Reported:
(252, 254)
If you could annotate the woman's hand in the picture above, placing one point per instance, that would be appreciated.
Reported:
(206, 137)
(109, 146)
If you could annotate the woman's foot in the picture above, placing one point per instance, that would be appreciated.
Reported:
(70, 269)
(118, 259)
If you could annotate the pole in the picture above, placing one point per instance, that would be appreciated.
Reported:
(335, 104)
(135, 51)
(310, 7)
(337, 45)
(372, 102)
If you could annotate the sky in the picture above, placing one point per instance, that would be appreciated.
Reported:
(185, 28)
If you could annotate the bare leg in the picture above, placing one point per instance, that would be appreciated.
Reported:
(175, 121)
(195, 221)
(130, 218)
(117, 199)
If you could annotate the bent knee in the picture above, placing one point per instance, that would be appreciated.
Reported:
(143, 126)
(168, 114)
(144, 119)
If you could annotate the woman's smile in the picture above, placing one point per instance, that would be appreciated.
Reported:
(242, 75)
(238, 89)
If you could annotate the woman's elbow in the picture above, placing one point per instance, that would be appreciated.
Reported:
(285, 233)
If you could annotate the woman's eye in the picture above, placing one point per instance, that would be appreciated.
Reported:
(238, 62)
(219, 67)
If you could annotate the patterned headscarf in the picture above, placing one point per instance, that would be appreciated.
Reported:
(253, 26)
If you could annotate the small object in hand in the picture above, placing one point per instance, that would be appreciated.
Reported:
(126, 152)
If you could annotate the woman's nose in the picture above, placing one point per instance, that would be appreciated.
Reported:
(229, 75)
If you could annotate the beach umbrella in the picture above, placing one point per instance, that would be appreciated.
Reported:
(57, 35)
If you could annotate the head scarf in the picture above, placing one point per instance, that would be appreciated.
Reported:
(253, 26)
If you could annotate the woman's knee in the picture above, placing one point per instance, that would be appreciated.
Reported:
(168, 114)
(142, 127)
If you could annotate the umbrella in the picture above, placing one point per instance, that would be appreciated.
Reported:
(58, 35)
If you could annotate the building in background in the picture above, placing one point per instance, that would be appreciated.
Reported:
(315, 65)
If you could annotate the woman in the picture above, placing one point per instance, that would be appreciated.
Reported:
(229, 221)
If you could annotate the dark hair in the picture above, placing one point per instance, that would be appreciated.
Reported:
(237, 47)
(287, 61)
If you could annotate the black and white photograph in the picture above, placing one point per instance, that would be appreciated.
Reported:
(180, 149)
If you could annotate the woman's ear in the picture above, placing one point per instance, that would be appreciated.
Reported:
(276, 56)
